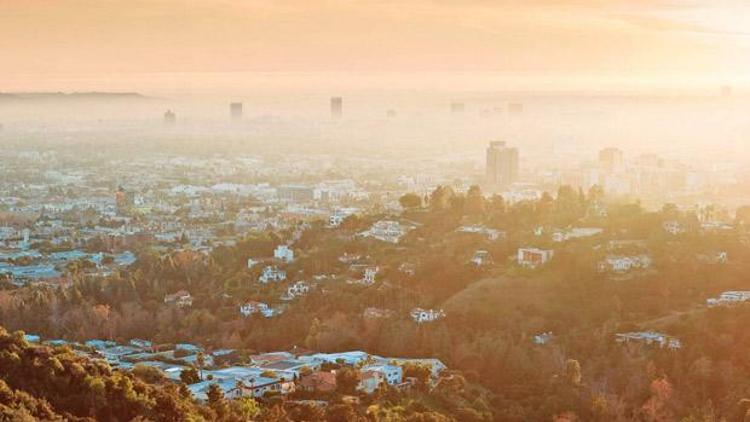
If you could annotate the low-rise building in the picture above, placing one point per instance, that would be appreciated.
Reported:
(575, 233)
(296, 290)
(318, 381)
(729, 298)
(284, 253)
(534, 257)
(254, 307)
(421, 316)
(481, 258)
(490, 234)
(387, 231)
(623, 263)
(181, 299)
(391, 374)
(650, 338)
(272, 273)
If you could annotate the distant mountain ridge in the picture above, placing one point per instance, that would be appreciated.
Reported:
(70, 95)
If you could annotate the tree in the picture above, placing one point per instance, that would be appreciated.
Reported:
(440, 199)
(347, 380)
(475, 200)
(148, 374)
(573, 372)
(214, 394)
(189, 376)
(200, 360)
(247, 407)
(410, 201)
(341, 413)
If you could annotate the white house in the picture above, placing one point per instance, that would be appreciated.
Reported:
(650, 338)
(543, 338)
(340, 215)
(673, 227)
(729, 298)
(283, 253)
(253, 307)
(480, 258)
(387, 231)
(490, 234)
(534, 257)
(181, 299)
(420, 315)
(297, 289)
(271, 273)
(575, 233)
(368, 275)
(392, 374)
(623, 264)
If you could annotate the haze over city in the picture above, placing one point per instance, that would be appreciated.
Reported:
(374, 210)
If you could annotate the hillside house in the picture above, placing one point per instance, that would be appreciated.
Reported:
(421, 316)
(181, 299)
(272, 273)
(284, 253)
(534, 257)
(729, 298)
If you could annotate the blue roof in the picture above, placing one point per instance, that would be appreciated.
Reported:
(32, 338)
(187, 346)
(126, 258)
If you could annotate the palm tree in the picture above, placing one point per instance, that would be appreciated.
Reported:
(201, 361)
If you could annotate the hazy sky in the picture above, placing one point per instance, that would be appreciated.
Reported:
(74, 44)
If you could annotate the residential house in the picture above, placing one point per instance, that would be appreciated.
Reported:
(181, 299)
(370, 381)
(272, 273)
(481, 258)
(673, 227)
(543, 338)
(729, 298)
(376, 313)
(253, 307)
(575, 233)
(420, 315)
(297, 289)
(392, 374)
(318, 381)
(387, 231)
(649, 338)
(623, 263)
(534, 257)
(284, 253)
(490, 234)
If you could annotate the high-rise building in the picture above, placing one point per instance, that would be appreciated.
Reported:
(337, 107)
(457, 108)
(611, 159)
(170, 117)
(502, 164)
(235, 111)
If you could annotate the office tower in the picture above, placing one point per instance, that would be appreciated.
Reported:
(502, 164)
(235, 111)
(391, 114)
(170, 117)
(611, 160)
(457, 108)
(337, 107)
